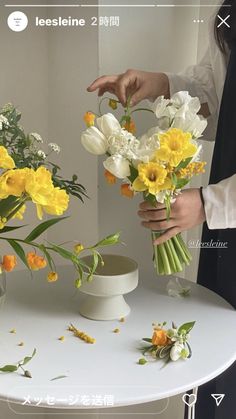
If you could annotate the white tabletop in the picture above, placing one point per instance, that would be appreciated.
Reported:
(106, 371)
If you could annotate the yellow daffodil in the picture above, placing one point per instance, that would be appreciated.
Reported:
(39, 186)
(12, 182)
(6, 161)
(57, 203)
(152, 177)
(175, 146)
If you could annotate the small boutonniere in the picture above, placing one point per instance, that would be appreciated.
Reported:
(168, 344)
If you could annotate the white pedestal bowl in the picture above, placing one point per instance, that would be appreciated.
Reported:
(104, 294)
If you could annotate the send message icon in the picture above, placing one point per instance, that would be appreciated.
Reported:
(218, 398)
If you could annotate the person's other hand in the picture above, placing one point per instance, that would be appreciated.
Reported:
(139, 84)
(186, 212)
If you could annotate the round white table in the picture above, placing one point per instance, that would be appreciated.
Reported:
(105, 374)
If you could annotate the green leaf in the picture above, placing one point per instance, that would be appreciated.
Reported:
(133, 174)
(64, 252)
(28, 358)
(109, 240)
(7, 229)
(19, 250)
(183, 164)
(181, 183)
(147, 340)
(186, 327)
(58, 377)
(47, 255)
(94, 267)
(9, 368)
(37, 231)
(174, 179)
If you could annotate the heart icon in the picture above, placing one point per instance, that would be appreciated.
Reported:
(189, 399)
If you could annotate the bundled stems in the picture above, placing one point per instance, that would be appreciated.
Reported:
(171, 256)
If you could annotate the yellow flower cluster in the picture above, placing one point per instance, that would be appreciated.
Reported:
(155, 176)
(192, 169)
(37, 186)
(78, 333)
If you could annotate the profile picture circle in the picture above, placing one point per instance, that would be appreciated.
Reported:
(17, 21)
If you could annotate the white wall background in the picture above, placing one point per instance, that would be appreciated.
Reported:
(45, 73)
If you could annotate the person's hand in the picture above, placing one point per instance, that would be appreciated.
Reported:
(186, 212)
(139, 84)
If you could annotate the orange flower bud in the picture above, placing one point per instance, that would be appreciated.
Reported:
(126, 191)
(111, 179)
(9, 262)
(160, 338)
(89, 118)
(35, 262)
(130, 126)
(52, 276)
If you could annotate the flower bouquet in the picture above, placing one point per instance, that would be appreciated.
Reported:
(158, 164)
(27, 175)
(168, 344)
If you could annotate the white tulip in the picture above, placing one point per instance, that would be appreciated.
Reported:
(184, 99)
(189, 122)
(108, 124)
(94, 141)
(118, 166)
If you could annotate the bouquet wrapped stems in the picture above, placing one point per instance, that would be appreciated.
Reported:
(171, 256)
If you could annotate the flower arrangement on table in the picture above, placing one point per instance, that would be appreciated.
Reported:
(168, 344)
(27, 175)
(158, 164)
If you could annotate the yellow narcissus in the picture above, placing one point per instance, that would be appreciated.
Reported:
(175, 146)
(39, 186)
(12, 182)
(152, 177)
(6, 161)
(57, 203)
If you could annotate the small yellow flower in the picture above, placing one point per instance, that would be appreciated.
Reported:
(61, 338)
(21, 344)
(89, 119)
(6, 161)
(192, 169)
(152, 177)
(116, 330)
(175, 146)
(81, 335)
(126, 190)
(13, 331)
(122, 319)
(12, 182)
(130, 126)
(52, 276)
(111, 179)
(113, 104)
(35, 262)
(78, 248)
(9, 262)
(20, 213)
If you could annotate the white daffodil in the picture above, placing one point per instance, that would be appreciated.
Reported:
(94, 141)
(183, 98)
(118, 166)
(159, 106)
(108, 124)
(3, 122)
(178, 351)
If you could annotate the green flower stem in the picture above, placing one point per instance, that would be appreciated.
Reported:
(141, 109)
(181, 252)
(171, 256)
(185, 248)
(178, 264)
